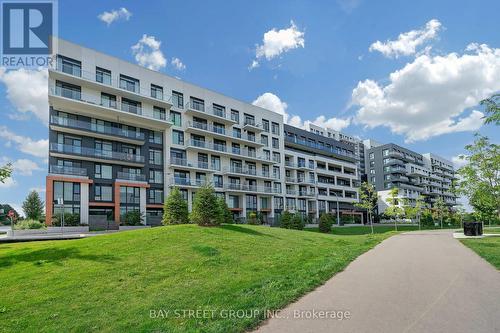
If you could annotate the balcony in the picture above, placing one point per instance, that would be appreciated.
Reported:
(74, 101)
(96, 154)
(250, 125)
(108, 85)
(331, 151)
(196, 108)
(67, 170)
(249, 188)
(191, 165)
(223, 149)
(251, 172)
(105, 132)
(131, 176)
(220, 133)
(187, 182)
(307, 194)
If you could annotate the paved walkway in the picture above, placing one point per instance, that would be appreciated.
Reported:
(414, 282)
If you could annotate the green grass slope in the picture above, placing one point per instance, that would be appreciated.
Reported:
(488, 248)
(111, 283)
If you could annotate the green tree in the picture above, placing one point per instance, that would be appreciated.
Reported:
(367, 200)
(225, 214)
(394, 211)
(419, 208)
(286, 220)
(480, 178)
(206, 210)
(5, 172)
(33, 206)
(325, 223)
(492, 109)
(440, 210)
(175, 208)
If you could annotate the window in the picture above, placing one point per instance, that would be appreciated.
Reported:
(251, 202)
(68, 90)
(156, 91)
(216, 163)
(373, 180)
(372, 163)
(103, 192)
(155, 157)
(385, 152)
(70, 193)
(197, 104)
(131, 106)
(264, 139)
(387, 168)
(372, 171)
(265, 125)
(103, 171)
(276, 157)
(249, 120)
(129, 199)
(276, 172)
(103, 75)
(69, 66)
(177, 99)
(218, 182)
(159, 113)
(236, 132)
(387, 177)
(177, 137)
(234, 202)
(176, 118)
(275, 128)
(108, 100)
(267, 155)
(129, 83)
(219, 110)
(276, 143)
(235, 116)
(155, 196)
(156, 137)
(156, 176)
(372, 156)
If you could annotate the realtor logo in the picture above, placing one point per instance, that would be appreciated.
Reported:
(27, 28)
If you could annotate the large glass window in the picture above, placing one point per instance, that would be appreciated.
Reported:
(177, 137)
(69, 66)
(108, 100)
(103, 75)
(159, 113)
(70, 193)
(156, 91)
(176, 118)
(156, 176)
(155, 196)
(129, 83)
(156, 137)
(177, 99)
(103, 192)
(155, 157)
(235, 116)
(103, 171)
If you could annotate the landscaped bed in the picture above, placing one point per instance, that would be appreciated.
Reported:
(113, 282)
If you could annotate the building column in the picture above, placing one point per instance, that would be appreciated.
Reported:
(271, 204)
(84, 203)
(244, 205)
(190, 200)
(316, 203)
(117, 203)
(142, 202)
(49, 193)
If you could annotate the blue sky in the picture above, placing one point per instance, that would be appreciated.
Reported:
(404, 90)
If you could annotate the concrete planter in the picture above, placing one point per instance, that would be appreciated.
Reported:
(48, 231)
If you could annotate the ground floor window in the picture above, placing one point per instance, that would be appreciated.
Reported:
(108, 212)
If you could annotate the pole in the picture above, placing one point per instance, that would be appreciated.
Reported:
(338, 213)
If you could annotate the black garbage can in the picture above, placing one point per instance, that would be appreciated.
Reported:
(473, 228)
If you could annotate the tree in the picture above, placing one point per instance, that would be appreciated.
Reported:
(5, 172)
(206, 210)
(33, 206)
(175, 208)
(393, 211)
(325, 223)
(367, 200)
(440, 210)
(286, 220)
(419, 208)
(225, 214)
(492, 105)
(480, 178)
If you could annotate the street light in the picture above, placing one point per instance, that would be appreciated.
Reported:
(60, 203)
(338, 215)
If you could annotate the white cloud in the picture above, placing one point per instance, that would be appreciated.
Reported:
(38, 189)
(9, 182)
(348, 5)
(459, 161)
(38, 148)
(177, 63)
(115, 15)
(272, 102)
(25, 167)
(407, 42)
(147, 53)
(431, 95)
(27, 90)
(276, 42)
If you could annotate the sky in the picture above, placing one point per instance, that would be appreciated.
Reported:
(407, 72)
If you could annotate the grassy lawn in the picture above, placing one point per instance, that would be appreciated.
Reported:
(492, 230)
(364, 230)
(488, 248)
(110, 283)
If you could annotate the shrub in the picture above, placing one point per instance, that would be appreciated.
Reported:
(297, 222)
(133, 217)
(286, 220)
(426, 220)
(225, 214)
(29, 224)
(175, 209)
(70, 220)
(253, 218)
(325, 223)
(206, 210)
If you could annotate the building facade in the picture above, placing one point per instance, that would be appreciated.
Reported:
(121, 136)
(390, 166)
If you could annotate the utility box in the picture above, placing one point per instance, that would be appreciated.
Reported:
(473, 228)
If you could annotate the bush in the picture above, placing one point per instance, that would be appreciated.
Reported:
(175, 209)
(70, 220)
(206, 210)
(291, 221)
(29, 224)
(133, 217)
(325, 223)
(426, 220)
(225, 214)
(253, 218)
(298, 222)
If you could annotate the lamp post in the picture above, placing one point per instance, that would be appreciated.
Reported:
(60, 203)
(338, 213)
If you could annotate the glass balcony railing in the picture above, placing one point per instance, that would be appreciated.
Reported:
(248, 172)
(181, 181)
(131, 176)
(69, 69)
(67, 170)
(93, 127)
(249, 188)
(96, 153)
(319, 147)
(196, 105)
(186, 163)
(225, 149)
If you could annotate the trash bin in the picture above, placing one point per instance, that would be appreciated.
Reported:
(473, 228)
